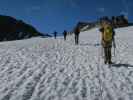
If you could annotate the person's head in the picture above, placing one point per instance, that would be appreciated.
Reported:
(65, 31)
(105, 23)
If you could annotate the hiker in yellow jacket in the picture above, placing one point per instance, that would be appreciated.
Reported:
(107, 34)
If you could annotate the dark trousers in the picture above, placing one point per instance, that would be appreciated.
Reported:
(55, 36)
(65, 37)
(76, 39)
(107, 54)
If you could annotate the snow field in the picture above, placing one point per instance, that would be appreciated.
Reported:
(49, 69)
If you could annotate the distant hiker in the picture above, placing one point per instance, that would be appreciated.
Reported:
(55, 34)
(65, 34)
(107, 39)
(76, 32)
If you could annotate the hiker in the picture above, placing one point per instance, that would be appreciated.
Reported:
(76, 32)
(107, 38)
(55, 34)
(65, 34)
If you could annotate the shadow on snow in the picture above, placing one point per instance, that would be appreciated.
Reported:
(122, 65)
(89, 44)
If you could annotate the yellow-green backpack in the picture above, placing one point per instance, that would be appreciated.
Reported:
(108, 33)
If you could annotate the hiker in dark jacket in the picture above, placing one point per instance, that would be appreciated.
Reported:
(77, 32)
(55, 34)
(106, 40)
(65, 34)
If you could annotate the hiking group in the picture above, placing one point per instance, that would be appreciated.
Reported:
(107, 38)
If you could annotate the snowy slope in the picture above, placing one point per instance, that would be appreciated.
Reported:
(49, 69)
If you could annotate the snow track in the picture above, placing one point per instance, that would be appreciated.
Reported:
(49, 69)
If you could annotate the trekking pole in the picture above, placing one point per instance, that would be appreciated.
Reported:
(102, 52)
(114, 51)
(114, 45)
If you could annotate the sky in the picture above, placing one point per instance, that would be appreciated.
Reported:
(48, 16)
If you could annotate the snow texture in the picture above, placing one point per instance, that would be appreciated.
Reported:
(49, 69)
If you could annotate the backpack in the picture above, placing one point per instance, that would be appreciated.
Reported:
(108, 34)
(77, 30)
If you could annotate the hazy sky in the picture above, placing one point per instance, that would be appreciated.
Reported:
(50, 15)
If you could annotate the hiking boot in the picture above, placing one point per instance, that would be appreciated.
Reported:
(105, 62)
(110, 62)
